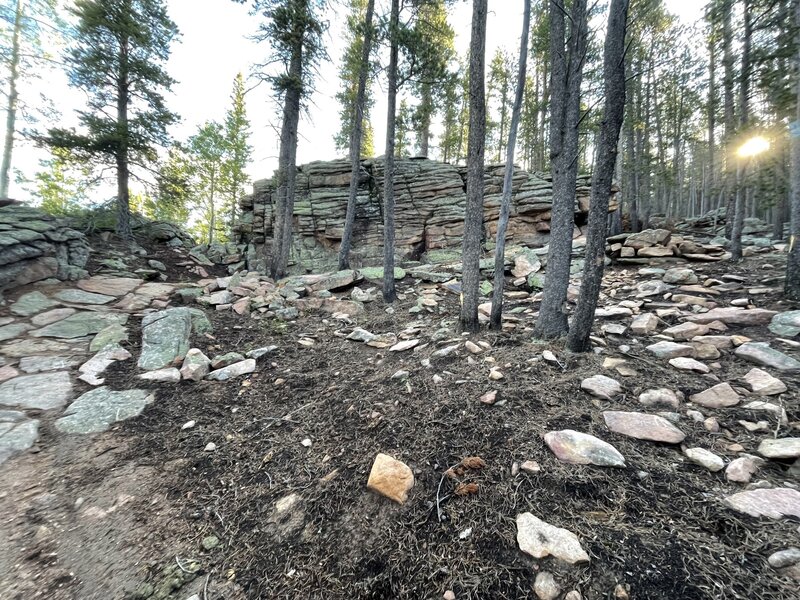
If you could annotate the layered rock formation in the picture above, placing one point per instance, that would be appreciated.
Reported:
(430, 198)
(36, 246)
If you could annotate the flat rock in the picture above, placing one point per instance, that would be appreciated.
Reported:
(761, 354)
(391, 478)
(764, 384)
(224, 360)
(774, 503)
(718, 396)
(670, 350)
(404, 345)
(96, 366)
(645, 289)
(45, 391)
(734, 315)
(643, 426)
(17, 433)
(679, 275)
(545, 586)
(785, 324)
(689, 364)
(109, 336)
(686, 331)
(788, 447)
(14, 330)
(601, 386)
(540, 539)
(7, 372)
(579, 448)
(109, 286)
(51, 316)
(98, 409)
(742, 469)
(80, 325)
(705, 458)
(81, 297)
(360, 335)
(784, 558)
(38, 364)
(235, 370)
(31, 304)
(30, 347)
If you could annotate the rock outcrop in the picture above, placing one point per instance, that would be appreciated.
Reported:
(430, 198)
(36, 246)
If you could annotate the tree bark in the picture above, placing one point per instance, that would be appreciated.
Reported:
(792, 285)
(744, 107)
(730, 123)
(425, 125)
(123, 174)
(11, 107)
(355, 139)
(505, 203)
(389, 294)
(552, 321)
(473, 214)
(602, 176)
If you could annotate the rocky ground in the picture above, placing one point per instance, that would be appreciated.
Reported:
(198, 435)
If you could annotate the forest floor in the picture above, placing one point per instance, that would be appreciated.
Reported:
(144, 511)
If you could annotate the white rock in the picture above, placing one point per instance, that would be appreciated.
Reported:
(539, 539)
(602, 386)
(764, 384)
(705, 458)
(187, 425)
(168, 375)
(210, 447)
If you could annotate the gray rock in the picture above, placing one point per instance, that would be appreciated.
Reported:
(786, 324)
(734, 315)
(37, 364)
(95, 366)
(31, 304)
(17, 433)
(81, 297)
(165, 336)
(579, 448)
(361, 335)
(109, 336)
(742, 469)
(98, 409)
(689, 364)
(680, 275)
(28, 347)
(44, 391)
(662, 398)
(545, 586)
(51, 316)
(168, 375)
(235, 370)
(259, 352)
(761, 354)
(784, 558)
(80, 325)
(540, 539)
(764, 384)
(224, 360)
(9, 332)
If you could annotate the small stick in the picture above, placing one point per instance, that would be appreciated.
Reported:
(205, 587)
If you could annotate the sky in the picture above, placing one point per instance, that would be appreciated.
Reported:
(215, 45)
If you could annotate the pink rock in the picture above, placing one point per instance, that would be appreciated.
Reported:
(774, 503)
(719, 396)
(643, 426)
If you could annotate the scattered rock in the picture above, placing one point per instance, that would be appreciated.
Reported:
(784, 558)
(196, 365)
(718, 396)
(73, 296)
(644, 324)
(686, 331)
(785, 324)
(734, 315)
(545, 586)
(741, 469)
(390, 478)
(705, 458)
(17, 433)
(489, 397)
(168, 375)
(774, 503)
(539, 539)
(660, 398)
(764, 384)
(689, 364)
(788, 447)
(235, 370)
(404, 345)
(643, 426)
(602, 386)
(95, 366)
(761, 354)
(165, 335)
(670, 350)
(583, 449)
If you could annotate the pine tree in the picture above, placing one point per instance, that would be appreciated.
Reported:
(118, 61)
(174, 187)
(61, 184)
(237, 151)
(499, 86)
(206, 151)
(349, 71)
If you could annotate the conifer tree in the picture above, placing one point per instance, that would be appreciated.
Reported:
(237, 150)
(118, 60)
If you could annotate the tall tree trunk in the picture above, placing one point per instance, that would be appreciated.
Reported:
(505, 203)
(730, 122)
(287, 164)
(744, 104)
(792, 285)
(602, 176)
(355, 139)
(389, 294)
(11, 107)
(712, 119)
(473, 214)
(425, 125)
(552, 321)
(123, 99)
(212, 222)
